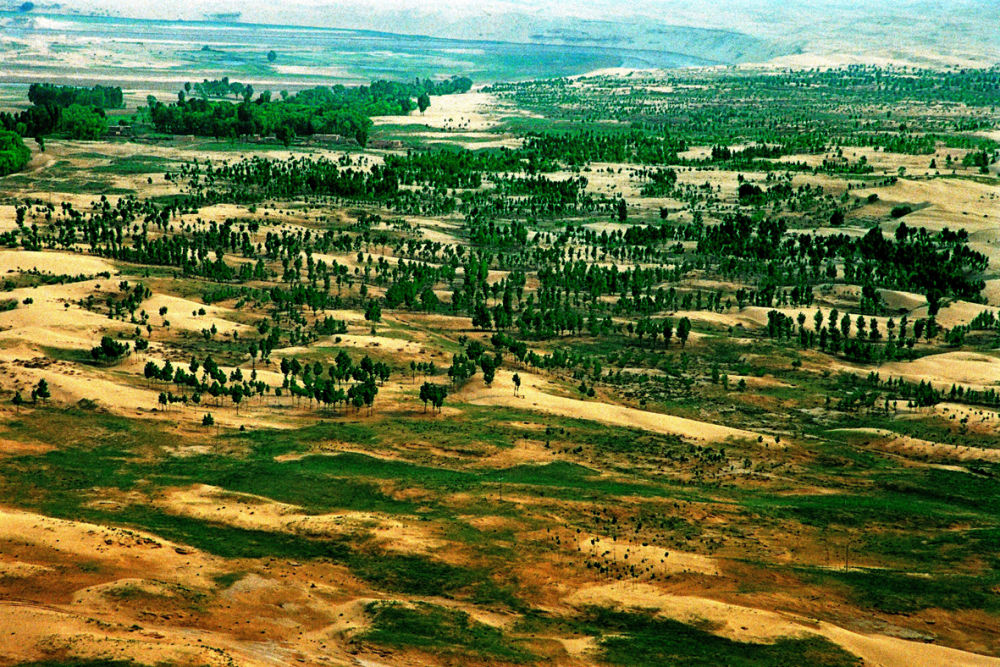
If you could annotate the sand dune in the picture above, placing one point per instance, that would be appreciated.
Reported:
(57, 263)
(757, 625)
(970, 369)
(140, 550)
(533, 398)
(183, 314)
(957, 313)
(954, 203)
(909, 446)
(53, 317)
(666, 561)
(251, 512)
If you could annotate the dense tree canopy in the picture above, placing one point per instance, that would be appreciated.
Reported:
(80, 122)
(338, 110)
(105, 97)
(13, 153)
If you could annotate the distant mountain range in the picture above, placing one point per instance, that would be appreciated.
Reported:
(729, 32)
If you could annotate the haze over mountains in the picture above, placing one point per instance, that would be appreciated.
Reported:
(814, 31)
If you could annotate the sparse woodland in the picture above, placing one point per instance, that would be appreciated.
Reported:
(681, 338)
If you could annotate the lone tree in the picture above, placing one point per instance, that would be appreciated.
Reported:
(517, 383)
(285, 134)
(373, 311)
(683, 330)
(271, 56)
(41, 391)
(18, 401)
(423, 102)
(425, 394)
(489, 365)
(236, 396)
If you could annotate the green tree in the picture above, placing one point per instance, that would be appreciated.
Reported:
(41, 391)
(434, 394)
(423, 102)
(81, 122)
(14, 155)
(237, 397)
(425, 394)
(668, 332)
(285, 134)
(683, 330)
(489, 366)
